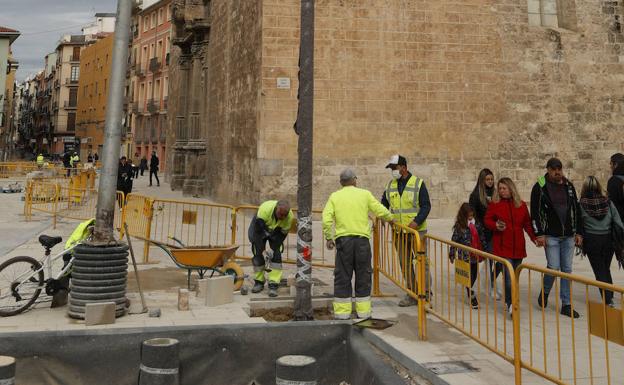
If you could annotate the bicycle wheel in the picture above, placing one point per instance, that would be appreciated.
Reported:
(20, 284)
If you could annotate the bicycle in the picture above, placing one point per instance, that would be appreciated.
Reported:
(19, 292)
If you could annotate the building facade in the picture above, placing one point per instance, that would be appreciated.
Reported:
(93, 86)
(147, 92)
(453, 86)
(8, 66)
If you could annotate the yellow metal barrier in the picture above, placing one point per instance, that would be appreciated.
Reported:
(321, 257)
(487, 321)
(19, 169)
(565, 350)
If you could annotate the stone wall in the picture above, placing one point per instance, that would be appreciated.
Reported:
(454, 86)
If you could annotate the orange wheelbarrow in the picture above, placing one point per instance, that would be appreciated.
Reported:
(205, 259)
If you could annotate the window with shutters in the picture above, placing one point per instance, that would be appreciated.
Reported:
(552, 13)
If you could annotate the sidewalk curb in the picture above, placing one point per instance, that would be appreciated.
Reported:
(401, 358)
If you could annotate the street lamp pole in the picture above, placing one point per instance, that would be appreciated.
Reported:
(304, 128)
(104, 218)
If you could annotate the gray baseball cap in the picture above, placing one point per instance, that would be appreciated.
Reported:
(347, 174)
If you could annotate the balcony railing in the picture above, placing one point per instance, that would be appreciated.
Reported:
(165, 104)
(139, 71)
(74, 57)
(71, 82)
(134, 107)
(163, 134)
(69, 104)
(140, 108)
(151, 106)
(154, 65)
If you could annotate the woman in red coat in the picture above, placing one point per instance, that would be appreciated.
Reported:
(508, 218)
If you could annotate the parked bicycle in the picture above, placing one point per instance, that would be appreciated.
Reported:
(23, 278)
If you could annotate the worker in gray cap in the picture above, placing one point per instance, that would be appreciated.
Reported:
(347, 210)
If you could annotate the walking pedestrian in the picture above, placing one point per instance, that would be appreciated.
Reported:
(124, 178)
(508, 218)
(347, 211)
(271, 223)
(599, 216)
(67, 162)
(469, 232)
(135, 165)
(154, 162)
(557, 225)
(143, 164)
(407, 198)
(480, 198)
(615, 191)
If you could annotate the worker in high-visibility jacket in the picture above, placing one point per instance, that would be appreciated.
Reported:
(73, 161)
(407, 198)
(40, 160)
(347, 211)
(271, 223)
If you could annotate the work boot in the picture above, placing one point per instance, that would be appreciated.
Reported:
(539, 300)
(273, 289)
(407, 301)
(567, 311)
(257, 287)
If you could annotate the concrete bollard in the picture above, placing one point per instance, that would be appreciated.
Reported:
(7, 370)
(160, 362)
(296, 370)
(183, 299)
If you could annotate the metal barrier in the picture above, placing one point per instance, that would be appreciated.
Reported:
(18, 169)
(455, 283)
(398, 255)
(567, 350)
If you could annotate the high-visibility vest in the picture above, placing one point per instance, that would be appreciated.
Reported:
(39, 160)
(265, 212)
(80, 233)
(404, 207)
(73, 160)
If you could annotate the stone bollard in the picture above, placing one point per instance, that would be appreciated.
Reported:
(183, 299)
(296, 370)
(160, 362)
(7, 370)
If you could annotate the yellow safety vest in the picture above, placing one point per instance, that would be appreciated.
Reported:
(265, 212)
(404, 207)
(74, 160)
(80, 233)
(40, 160)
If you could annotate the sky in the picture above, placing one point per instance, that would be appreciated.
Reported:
(41, 24)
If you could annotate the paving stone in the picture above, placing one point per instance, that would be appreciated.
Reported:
(100, 313)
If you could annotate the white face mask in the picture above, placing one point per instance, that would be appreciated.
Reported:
(471, 221)
(396, 174)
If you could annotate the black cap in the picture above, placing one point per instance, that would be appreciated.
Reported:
(396, 160)
(554, 163)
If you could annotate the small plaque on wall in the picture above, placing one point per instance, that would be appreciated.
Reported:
(283, 83)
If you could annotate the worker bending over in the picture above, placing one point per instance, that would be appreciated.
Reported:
(272, 223)
(348, 210)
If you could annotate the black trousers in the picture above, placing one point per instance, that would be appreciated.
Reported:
(155, 173)
(599, 250)
(474, 270)
(258, 245)
(353, 255)
(514, 263)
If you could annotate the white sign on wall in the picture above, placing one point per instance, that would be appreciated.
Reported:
(283, 83)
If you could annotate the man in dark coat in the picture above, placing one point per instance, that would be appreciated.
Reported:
(124, 176)
(154, 162)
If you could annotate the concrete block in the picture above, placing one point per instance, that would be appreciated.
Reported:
(183, 299)
(216, 290)
(101, 313)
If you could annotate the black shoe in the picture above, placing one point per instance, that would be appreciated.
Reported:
(474, 302)
(567, 311)
(273, 289)
(539, 300)
(257, 287)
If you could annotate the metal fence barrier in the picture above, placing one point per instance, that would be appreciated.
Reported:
(565, 350)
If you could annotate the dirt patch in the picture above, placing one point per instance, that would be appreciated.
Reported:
(285, 314)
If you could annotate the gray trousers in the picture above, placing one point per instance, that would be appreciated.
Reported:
(353, 255)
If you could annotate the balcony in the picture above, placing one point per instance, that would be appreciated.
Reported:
(139, 71)
(151, 106)
(165, 104)
(74, 57)
(154, 65)
(140, 108)
(163, 134)
(71, 82)
(69, 105)
(134, 106)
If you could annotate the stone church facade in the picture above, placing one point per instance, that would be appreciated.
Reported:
(453, 85)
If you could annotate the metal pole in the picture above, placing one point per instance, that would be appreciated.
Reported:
(105, 214)
(304, 128)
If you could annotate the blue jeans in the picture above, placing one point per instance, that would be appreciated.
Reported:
(559, 253)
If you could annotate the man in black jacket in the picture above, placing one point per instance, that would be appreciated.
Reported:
(154, 162)
(124, 176)
(557, 222)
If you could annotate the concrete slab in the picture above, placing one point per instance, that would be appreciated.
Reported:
(100, 313)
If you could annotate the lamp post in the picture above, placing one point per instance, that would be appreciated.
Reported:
(304, 128)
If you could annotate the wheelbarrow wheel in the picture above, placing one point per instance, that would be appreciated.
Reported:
(234, 269)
